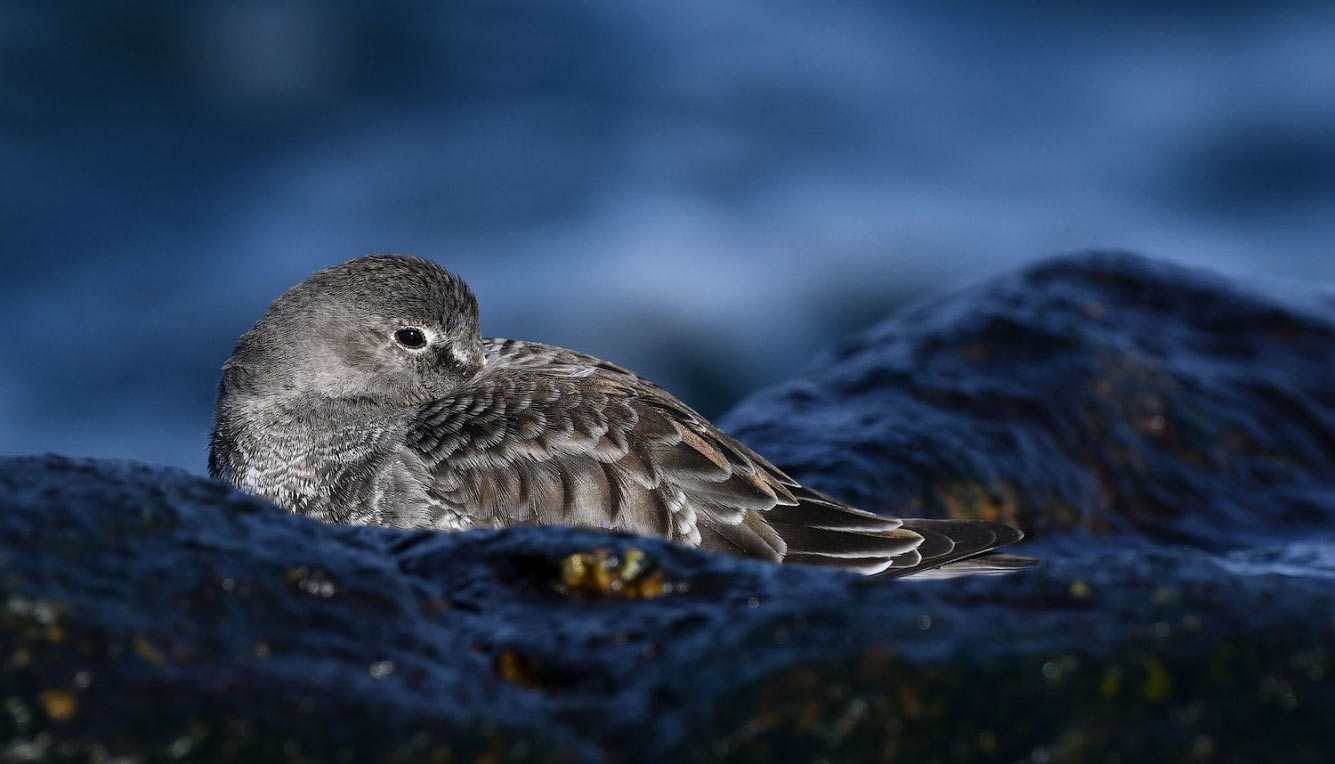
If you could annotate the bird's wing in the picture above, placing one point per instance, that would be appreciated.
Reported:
(552, 436)
(529, 447)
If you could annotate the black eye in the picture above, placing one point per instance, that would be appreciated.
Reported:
(410, 337)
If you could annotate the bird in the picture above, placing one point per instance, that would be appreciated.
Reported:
(366, 394)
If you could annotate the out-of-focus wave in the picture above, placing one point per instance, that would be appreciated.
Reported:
(705, 192)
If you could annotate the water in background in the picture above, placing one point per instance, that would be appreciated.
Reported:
(707, 192)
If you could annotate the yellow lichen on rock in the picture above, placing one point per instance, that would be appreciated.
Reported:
(605, 573)
(518, 669)
(58, 704)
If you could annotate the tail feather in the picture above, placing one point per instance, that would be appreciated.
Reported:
(830, 543)
(868, 566)
(971, 542)
(820, 531)
(996, 564)
(818, 511)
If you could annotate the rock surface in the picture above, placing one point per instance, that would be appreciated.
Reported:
(1186, 611)
(1102, 392)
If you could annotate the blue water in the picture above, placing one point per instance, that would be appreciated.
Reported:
(706, 192)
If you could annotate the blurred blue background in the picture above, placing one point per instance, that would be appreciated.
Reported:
(707, 192)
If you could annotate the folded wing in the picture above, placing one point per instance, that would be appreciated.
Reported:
(549, 436)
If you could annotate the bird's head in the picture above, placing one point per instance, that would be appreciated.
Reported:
(382, 328)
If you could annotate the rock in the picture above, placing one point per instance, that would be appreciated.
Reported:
(1102, 392)
(149, 614)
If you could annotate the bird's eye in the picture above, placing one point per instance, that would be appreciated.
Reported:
(410, 337)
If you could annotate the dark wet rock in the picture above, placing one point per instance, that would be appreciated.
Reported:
(1104, 392)
(155, 615)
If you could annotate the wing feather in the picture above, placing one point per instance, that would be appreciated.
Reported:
(546, 435)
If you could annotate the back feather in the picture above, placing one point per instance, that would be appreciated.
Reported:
(547, 435)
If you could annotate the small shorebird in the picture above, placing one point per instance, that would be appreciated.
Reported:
(367, 394)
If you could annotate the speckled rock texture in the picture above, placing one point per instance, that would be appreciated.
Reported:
(1102, 392)
(1168, 438)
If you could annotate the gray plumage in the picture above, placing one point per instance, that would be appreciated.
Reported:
(328, 409)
